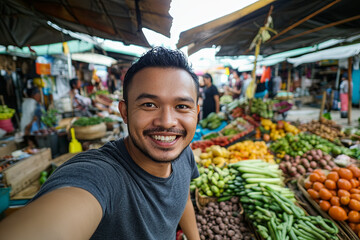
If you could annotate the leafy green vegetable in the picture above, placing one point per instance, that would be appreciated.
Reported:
(49, 117)
(88, 121)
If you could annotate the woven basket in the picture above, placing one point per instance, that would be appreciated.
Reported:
(202, 201)
(90, 132)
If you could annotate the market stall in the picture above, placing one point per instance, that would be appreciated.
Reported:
(277, 182)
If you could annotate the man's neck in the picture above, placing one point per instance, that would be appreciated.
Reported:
(162, 170)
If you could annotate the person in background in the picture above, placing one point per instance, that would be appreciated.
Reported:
(136, 187)
(79, 102)
(31, 112)
(211, 102)
(344, 95)
(261, 89)
(236, 89)
(246, 82)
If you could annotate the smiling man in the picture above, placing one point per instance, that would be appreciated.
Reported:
(132, 188)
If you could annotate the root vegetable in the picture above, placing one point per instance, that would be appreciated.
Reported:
(313, 164)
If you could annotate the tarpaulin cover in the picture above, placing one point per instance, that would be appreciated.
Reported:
(25, 22)
(235, 32)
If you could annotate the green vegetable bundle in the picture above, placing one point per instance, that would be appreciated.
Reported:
(278, 218)
(88, 121)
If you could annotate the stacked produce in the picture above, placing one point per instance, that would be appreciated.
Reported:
(307, 163)
(277, 130)
(301, 143)
(222, 221)
(215, 154)
(212, 181)
(250, 150)
(252, 176)
(338, 193)
(262, 108)
(271, 206)
(212, 121)
(324, 128)
(6, 112)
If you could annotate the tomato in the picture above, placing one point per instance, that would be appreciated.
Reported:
(344, 200)
(354, 205)
(354, 216)
(313, 194)
(314, 177)
(333, 176)
(308, 184)
(324, 205)
(337, 213)
(344, 184)
(343, 192)
(355, 196)
(354, 183)
(354, 190)
(325, 194)
(335, 201)
(317, 186)
(355, 170)
(330, 184)
(345, 173)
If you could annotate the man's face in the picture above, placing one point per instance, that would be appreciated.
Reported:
(161, 113)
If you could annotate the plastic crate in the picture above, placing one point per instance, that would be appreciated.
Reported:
(4, 199)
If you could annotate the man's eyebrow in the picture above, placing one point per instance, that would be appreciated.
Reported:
(185, 99)
(146, 95)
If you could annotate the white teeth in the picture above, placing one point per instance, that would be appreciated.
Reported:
(163, 138)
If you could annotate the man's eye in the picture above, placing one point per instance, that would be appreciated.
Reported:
(182, 106)
(149, 105)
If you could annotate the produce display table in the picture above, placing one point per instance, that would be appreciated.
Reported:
(7, 147)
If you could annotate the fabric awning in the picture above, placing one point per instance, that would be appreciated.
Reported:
(27, 22)
(298, 23)
(332, 53)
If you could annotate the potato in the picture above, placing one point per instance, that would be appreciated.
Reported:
(313, 164)
(305, 162)
(323, 163)
(310, 157)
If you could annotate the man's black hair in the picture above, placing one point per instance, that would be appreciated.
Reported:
(159, 57)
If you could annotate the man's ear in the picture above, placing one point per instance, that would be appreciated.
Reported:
(123, 110)
(198, 108)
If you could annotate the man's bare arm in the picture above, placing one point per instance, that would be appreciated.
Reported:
(188, 222)
(65, 213)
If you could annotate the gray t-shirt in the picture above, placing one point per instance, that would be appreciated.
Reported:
(135, 204)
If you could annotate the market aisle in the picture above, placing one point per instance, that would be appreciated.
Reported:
(306, 114)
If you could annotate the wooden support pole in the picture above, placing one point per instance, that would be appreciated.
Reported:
(350, 88)
(322, 105)
(288, 79)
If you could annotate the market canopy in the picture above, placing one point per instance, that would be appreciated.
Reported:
(332, 53)
(27, 22)
(298, 24)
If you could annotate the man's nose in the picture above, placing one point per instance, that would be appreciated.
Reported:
(166, 118)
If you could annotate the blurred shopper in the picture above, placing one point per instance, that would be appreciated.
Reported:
(236, 89)
(211, 101)
(79, 102)
(246, 82)
(31, 112)
(344, 95)
(261, 89)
